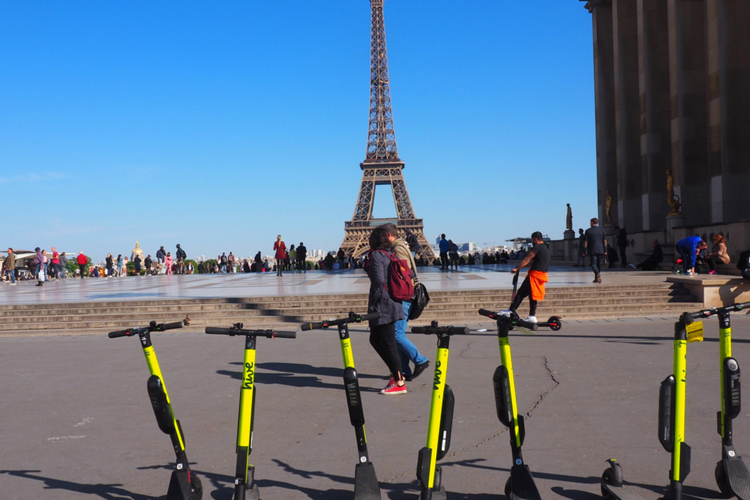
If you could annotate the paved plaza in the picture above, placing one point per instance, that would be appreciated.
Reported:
(198, 286)
(77, 423)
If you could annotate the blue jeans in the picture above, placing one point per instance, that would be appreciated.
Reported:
(12, 275)
(686, 260)
(406, 349)
(595, 263)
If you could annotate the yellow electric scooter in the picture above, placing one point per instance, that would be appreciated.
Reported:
(441, 415)
(183, 485)
(732, 475)
(244, 479)
(520, 485)
(366, 485)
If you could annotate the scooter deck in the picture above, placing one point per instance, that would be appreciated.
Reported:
(738, 477)
(621, 492)
(522, 486)
(366, 485)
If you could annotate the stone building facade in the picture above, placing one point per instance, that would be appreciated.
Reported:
(672, 92)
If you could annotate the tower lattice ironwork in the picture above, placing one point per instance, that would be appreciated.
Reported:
(382, 166)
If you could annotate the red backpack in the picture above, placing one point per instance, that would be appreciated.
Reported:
(400, 286)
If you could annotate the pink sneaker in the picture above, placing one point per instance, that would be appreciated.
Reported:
(712, 271)
(394, 388)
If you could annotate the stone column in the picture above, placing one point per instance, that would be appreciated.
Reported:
(604, 75)
(653, 71)
(627, 115)
(687, 72)
(734, 88)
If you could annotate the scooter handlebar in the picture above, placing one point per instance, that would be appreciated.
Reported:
(450, 330)
(119, 333)
(255, 333)
(311, 326)
(285, 335)
(168, 326)
(488, 313)
(688, 317)
(352, 318)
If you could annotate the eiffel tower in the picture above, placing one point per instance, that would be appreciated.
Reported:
(382, 166)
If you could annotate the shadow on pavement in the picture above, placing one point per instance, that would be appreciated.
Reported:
(105, 491)
(393, 491)
(289, 375)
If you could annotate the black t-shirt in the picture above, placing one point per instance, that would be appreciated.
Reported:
(540, 262)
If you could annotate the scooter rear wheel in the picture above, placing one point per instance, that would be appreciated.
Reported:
(607, 478)
(196, 488)
(722, 481)
(508, 487)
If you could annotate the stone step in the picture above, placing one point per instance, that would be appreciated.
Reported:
(288, 312)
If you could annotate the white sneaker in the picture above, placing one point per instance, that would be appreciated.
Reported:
(506, 313)
(530, 319)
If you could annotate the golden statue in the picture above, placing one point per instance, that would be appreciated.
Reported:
(136, 251)
(672, 199)
(569, 219)
(608, 207)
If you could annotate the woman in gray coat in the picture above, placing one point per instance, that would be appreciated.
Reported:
(383, 329)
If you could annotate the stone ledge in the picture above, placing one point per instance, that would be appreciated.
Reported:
(716, 290)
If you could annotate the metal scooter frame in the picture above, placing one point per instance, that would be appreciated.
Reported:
(244, 479)
(441, 415)
(183, 484)
(520, 485)
(366, 485)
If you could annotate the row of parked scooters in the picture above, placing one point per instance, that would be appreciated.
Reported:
(732, 476)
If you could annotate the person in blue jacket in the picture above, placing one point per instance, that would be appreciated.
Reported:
(443, 244)
(688, 248)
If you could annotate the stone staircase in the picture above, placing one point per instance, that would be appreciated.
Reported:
(285, 313)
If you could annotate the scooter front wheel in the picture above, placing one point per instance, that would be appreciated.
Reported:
(555, 323)
(722, 481)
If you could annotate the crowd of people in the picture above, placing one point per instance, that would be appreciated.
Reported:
(691, 253)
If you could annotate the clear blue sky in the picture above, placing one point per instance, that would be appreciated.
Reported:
(219, 125)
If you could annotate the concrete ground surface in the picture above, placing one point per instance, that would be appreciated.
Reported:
(77, 423)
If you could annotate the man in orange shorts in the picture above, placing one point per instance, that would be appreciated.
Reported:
(533, 286)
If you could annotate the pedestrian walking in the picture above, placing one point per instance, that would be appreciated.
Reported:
(383, 329)
(596, 247)
(443, 244)
(280, 249)
(302, 257)
(39, 266)
(407, 351)
(82, 260)
(10, 266)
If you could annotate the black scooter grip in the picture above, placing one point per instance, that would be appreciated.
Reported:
(457, 330)
(370, 316)
(285, 335)
(420, 329)
(220, 331)
(311, 326)
(488, 313)
(120, 333)
(170, 326)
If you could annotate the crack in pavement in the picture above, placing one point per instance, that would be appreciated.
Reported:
(503, 430)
